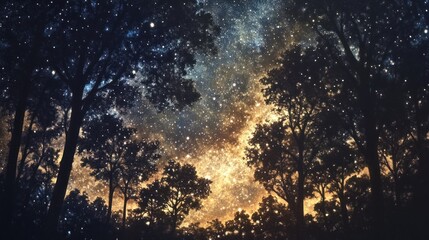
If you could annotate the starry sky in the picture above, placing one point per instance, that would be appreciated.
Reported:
(213, 133)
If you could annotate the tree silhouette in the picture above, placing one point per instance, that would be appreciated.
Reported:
(215, 229)
(397, 158)
(23, 50)
(328, 218)
(412, 61)
(174, 195)
(273, 220)
(152, 201)
(81, 218)
(116, 158)
(356, 190)
(98, 46)
(193, 232)
(282, 152)
(339, 161)
(38, 152)
(240, 227)
(360, 37)
(138, 165)
(103, 148)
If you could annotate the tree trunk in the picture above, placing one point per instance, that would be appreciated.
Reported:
(65, 165)
(372, 161)
(110, 200)
(300, 199)
(344, 212)
(124, 211)
(396, 185)
(24, 153)
(422, 193)
(14, 145)
(421, 208)
(323, 205)
(174, 222)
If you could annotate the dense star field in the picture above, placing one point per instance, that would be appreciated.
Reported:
(213, 133)
(214, 119)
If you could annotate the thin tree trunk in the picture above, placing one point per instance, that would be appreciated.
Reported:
(323, 204)
(344, 212)
(396, 187)
(368, 101)
(32, 180)
(174, 222)
(24, 153)
(300, 199)
(371, 158)
(65, 165)
(14, 145)
(124, 211)
(110, 200)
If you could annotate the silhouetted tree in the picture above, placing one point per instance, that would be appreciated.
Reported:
(328, 218)
(273, 220)
(360, 36)
(82, 219)
(193, 232)
(282, 152)
(96, 48)
(138, 165)
(410, 95)
(215, 229)
(103, 147)
(358, 196)
(152, 202)
(397, 159)
(412, 76)
(342, 162)
(23, 45)
(240, 227)
(174, 195)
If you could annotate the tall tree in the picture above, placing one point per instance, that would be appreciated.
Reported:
(411, 69)
(282, 152)
(341, 162)
(175, 194)
(97, 46)
(138, 166)
(397, 158)
(103, 149)
(22, 47)
(360, 36)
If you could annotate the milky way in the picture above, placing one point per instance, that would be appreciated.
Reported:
(213, 133)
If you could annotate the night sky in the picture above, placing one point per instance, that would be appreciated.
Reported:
(213, 133)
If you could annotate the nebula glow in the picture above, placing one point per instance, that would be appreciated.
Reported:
(213, 134)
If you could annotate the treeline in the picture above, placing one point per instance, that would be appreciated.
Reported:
(162, 207)
(353, 120)
(69, 71)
